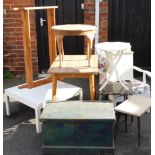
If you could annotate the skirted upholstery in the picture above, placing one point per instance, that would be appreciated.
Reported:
(136, 87)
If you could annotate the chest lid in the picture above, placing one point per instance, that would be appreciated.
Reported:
(78, 110)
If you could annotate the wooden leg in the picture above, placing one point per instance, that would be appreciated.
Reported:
(27, 48)
(92, 86)
(51, 36)
(90, 38)
(59, 40)
(90, 49)
(62, 49)
(87, 41)
(54, 88)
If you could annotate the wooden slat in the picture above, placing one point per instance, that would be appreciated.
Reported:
(35, 8)
(51, 35)
(36, 83)
(27, 48)
(65, 75)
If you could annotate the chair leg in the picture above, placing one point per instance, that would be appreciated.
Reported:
(138, 129)
(7, 104)
(38, 123)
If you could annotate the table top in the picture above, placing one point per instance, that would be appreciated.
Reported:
(113, 47)
(78, 110)
(74, 29)
(75, 64)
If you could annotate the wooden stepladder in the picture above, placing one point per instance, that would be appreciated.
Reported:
(25, 15)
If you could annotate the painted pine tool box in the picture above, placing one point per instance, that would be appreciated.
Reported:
(78, 128)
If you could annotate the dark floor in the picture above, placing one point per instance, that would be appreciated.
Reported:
(20, 137)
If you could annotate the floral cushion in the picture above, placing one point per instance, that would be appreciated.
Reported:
(101, 63)
(140, 87)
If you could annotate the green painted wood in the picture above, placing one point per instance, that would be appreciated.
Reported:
(78, 110)
(78, 134)
(78, 128)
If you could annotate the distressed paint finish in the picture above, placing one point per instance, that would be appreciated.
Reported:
(77, 127)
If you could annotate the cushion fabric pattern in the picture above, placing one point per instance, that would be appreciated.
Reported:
(135, 87)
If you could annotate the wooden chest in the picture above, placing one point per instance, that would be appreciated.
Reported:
(78, 128)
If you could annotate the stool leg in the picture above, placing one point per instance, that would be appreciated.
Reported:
(125, 122)
(138, 129)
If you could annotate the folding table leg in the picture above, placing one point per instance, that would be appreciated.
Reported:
(7, 103)
(38, 123)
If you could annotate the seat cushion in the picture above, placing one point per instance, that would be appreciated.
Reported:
(140, 87)
(135, 87)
